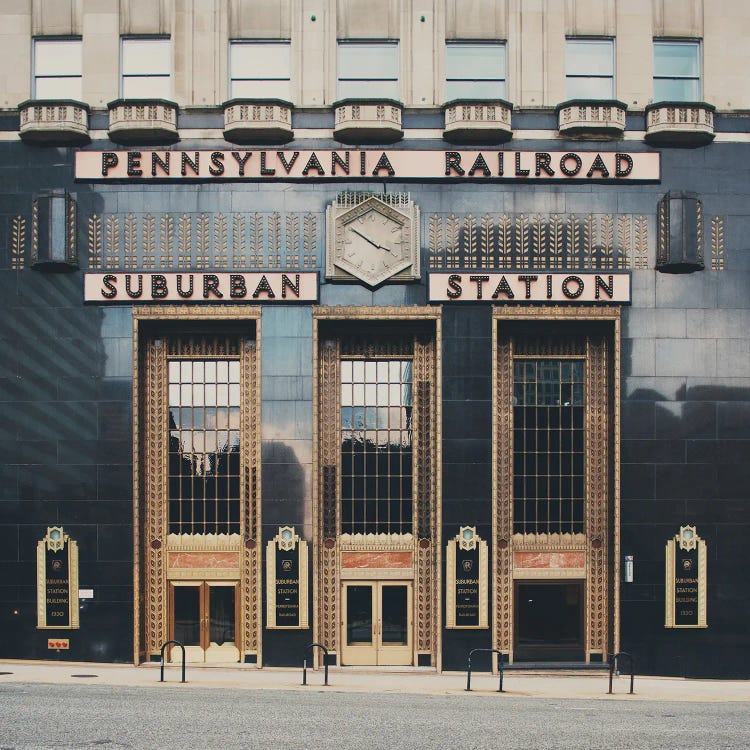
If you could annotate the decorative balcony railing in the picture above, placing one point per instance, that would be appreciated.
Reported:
(143, 121)
(593, 118)
(478, 121)
(54, 121)
(680, 123)
(368, 121)
(258, 121)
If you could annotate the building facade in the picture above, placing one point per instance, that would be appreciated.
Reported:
(402, 328)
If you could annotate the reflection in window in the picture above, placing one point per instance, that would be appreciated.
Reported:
(590, 68)
(368, 70)
(204, 445)
(548, 445)
(146, 69)
(57, 69)
(474, 71)
(376, 446)
(259, 70)
(677, 72)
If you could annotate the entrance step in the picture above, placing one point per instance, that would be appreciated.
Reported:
(556, 666)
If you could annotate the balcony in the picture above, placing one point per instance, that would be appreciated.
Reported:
(680, 123)
(587, 118)
(368, 121)
(143, 121)
(54, 121)
(477, 121)
(258, 121)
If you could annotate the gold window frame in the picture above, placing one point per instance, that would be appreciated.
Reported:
(602, 575)
(427, 552)
(150, 529)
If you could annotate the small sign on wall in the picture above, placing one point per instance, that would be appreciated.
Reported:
(686, 580)
(57, 580)
(466, 581)
(286, 581)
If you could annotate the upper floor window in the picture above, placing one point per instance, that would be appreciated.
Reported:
(368, 70)
(57, 69)
(260, 70)
(677, 74)
(475, 71)
(146, 68)
(590, 69)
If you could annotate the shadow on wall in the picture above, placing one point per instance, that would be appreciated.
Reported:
(685, 462)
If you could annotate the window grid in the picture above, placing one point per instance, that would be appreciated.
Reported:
(145, 68)
(367, 70)
(204, 445)
(548, 446)
(671, 83)
(590, 68)
(267, 77)
(58, 69)
(376, 446)
(466, 78)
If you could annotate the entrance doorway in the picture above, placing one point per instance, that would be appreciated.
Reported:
(377, 623)
(549, 621)
(204, 619)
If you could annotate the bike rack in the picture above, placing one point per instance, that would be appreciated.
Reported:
(499, 663)
(163, 647)
(613, 664)
(325, 662)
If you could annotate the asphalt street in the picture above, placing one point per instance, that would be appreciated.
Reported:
(174, 716)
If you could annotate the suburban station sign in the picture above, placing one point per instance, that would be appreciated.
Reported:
(488, 164)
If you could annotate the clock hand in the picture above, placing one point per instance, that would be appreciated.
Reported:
(365, 237)
(372, 242)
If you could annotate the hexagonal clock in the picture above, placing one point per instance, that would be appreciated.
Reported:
(372, 238)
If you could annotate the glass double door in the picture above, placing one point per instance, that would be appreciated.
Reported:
(204, 619)
(377, 623)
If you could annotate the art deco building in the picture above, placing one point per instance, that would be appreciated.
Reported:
(402, 327)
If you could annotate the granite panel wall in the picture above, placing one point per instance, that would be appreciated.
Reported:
(66, 446)
(287, 427)
(467, 450)
(66, 405)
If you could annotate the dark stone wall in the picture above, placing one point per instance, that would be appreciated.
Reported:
(66, 403)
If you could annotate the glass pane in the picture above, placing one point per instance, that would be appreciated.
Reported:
(676, 59)
(590, 88)
(221, 614)
(59, 88)
(187, 613)
(260, 89)
(474, 61)
(676, 90)
(61, 57)
(259, 60)
(146, 57)
(475, 90)
(142, 87)
(587, 57)
(358, 614)
(395, 615)
(368, 90)
(367, 61)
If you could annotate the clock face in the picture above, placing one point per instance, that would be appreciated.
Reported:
(373, 242)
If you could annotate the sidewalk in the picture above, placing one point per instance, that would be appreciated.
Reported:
(518, 684)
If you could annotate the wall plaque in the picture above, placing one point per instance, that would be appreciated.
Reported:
(466, 580)
(57, 580)
(286, 580)
(686, 580)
